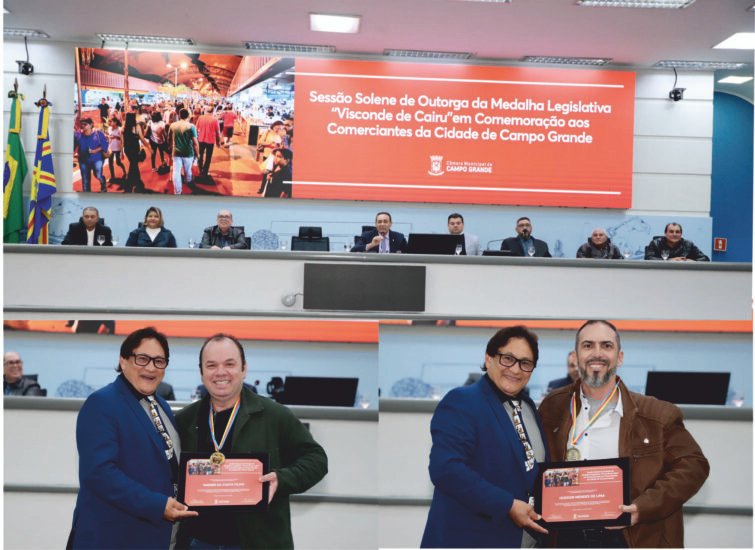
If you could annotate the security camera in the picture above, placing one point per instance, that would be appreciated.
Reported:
(24, 67)
(677, 94)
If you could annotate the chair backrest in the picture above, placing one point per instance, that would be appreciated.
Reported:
(316, 245)
(310, 232)
(366, 228)
(264, 239)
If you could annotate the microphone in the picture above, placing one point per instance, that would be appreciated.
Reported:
(487, 246)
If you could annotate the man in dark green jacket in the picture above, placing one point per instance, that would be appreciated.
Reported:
(233, 419)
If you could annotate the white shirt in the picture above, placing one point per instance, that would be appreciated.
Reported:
(602, 438)
(152, 232)
(90, 237)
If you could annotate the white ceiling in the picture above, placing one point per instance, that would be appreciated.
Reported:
(492, 32)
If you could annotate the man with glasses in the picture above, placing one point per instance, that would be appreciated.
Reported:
(128, 455)
(224, 235)
(524, 244)
(487, 441)
(668, 467)
(14, 380)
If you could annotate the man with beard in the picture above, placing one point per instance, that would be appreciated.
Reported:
(524, 244)
(668, 467)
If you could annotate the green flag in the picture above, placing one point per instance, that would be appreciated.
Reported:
(13, 177)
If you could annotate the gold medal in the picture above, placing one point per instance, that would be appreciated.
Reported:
(217, 458)
(573, 454)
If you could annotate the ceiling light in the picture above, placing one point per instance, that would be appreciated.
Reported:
(283, 47)
(145, 39)
(664, 4)
(738, 41)
(322, 22)
(566, 60)
(699, 65)
(735, 80)
(21, 33)
(427, 54)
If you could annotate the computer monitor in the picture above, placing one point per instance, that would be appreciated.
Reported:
(319, 391)
(690, 388)
(316, 245)
(434, 243)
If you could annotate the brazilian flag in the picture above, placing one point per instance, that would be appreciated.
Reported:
(13, 178)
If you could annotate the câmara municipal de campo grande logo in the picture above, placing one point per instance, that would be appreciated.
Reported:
(436, 165)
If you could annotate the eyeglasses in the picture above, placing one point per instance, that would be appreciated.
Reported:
(508, 361)
(224, 217)
(142, 360)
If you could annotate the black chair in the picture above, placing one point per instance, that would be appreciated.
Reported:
(310, 232)
(366, 228)
(313, 245)
(310, 238)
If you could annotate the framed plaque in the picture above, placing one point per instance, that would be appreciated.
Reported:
(233, 483)
(583, 494)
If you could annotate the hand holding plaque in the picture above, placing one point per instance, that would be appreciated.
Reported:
(583, 494)
(239, 481)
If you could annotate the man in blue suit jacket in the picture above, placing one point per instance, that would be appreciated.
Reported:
(483, 470)
(127, 467)
(381, 239)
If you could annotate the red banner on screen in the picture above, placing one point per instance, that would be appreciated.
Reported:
(463, 134)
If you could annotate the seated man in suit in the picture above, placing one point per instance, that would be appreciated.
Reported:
(382, 240)
(674, 247)
(524, 244)
(572, 373)
(471, 242)
(224, 235)
(88, 230)
(14, 380)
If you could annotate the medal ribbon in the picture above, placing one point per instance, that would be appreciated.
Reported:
(574, 439)
(227, 428)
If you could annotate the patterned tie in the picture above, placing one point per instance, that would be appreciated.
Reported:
(529, 462)
(158, 422)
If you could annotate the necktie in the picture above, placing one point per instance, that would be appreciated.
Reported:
(384, 244)
(158, 422)
(529, 461)
(169, 450)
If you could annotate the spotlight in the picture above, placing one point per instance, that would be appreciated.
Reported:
(24, 67)
(677, 94)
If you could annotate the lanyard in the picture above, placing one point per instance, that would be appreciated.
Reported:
(573, 438)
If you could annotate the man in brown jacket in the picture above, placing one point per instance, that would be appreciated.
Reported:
(667, 465)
